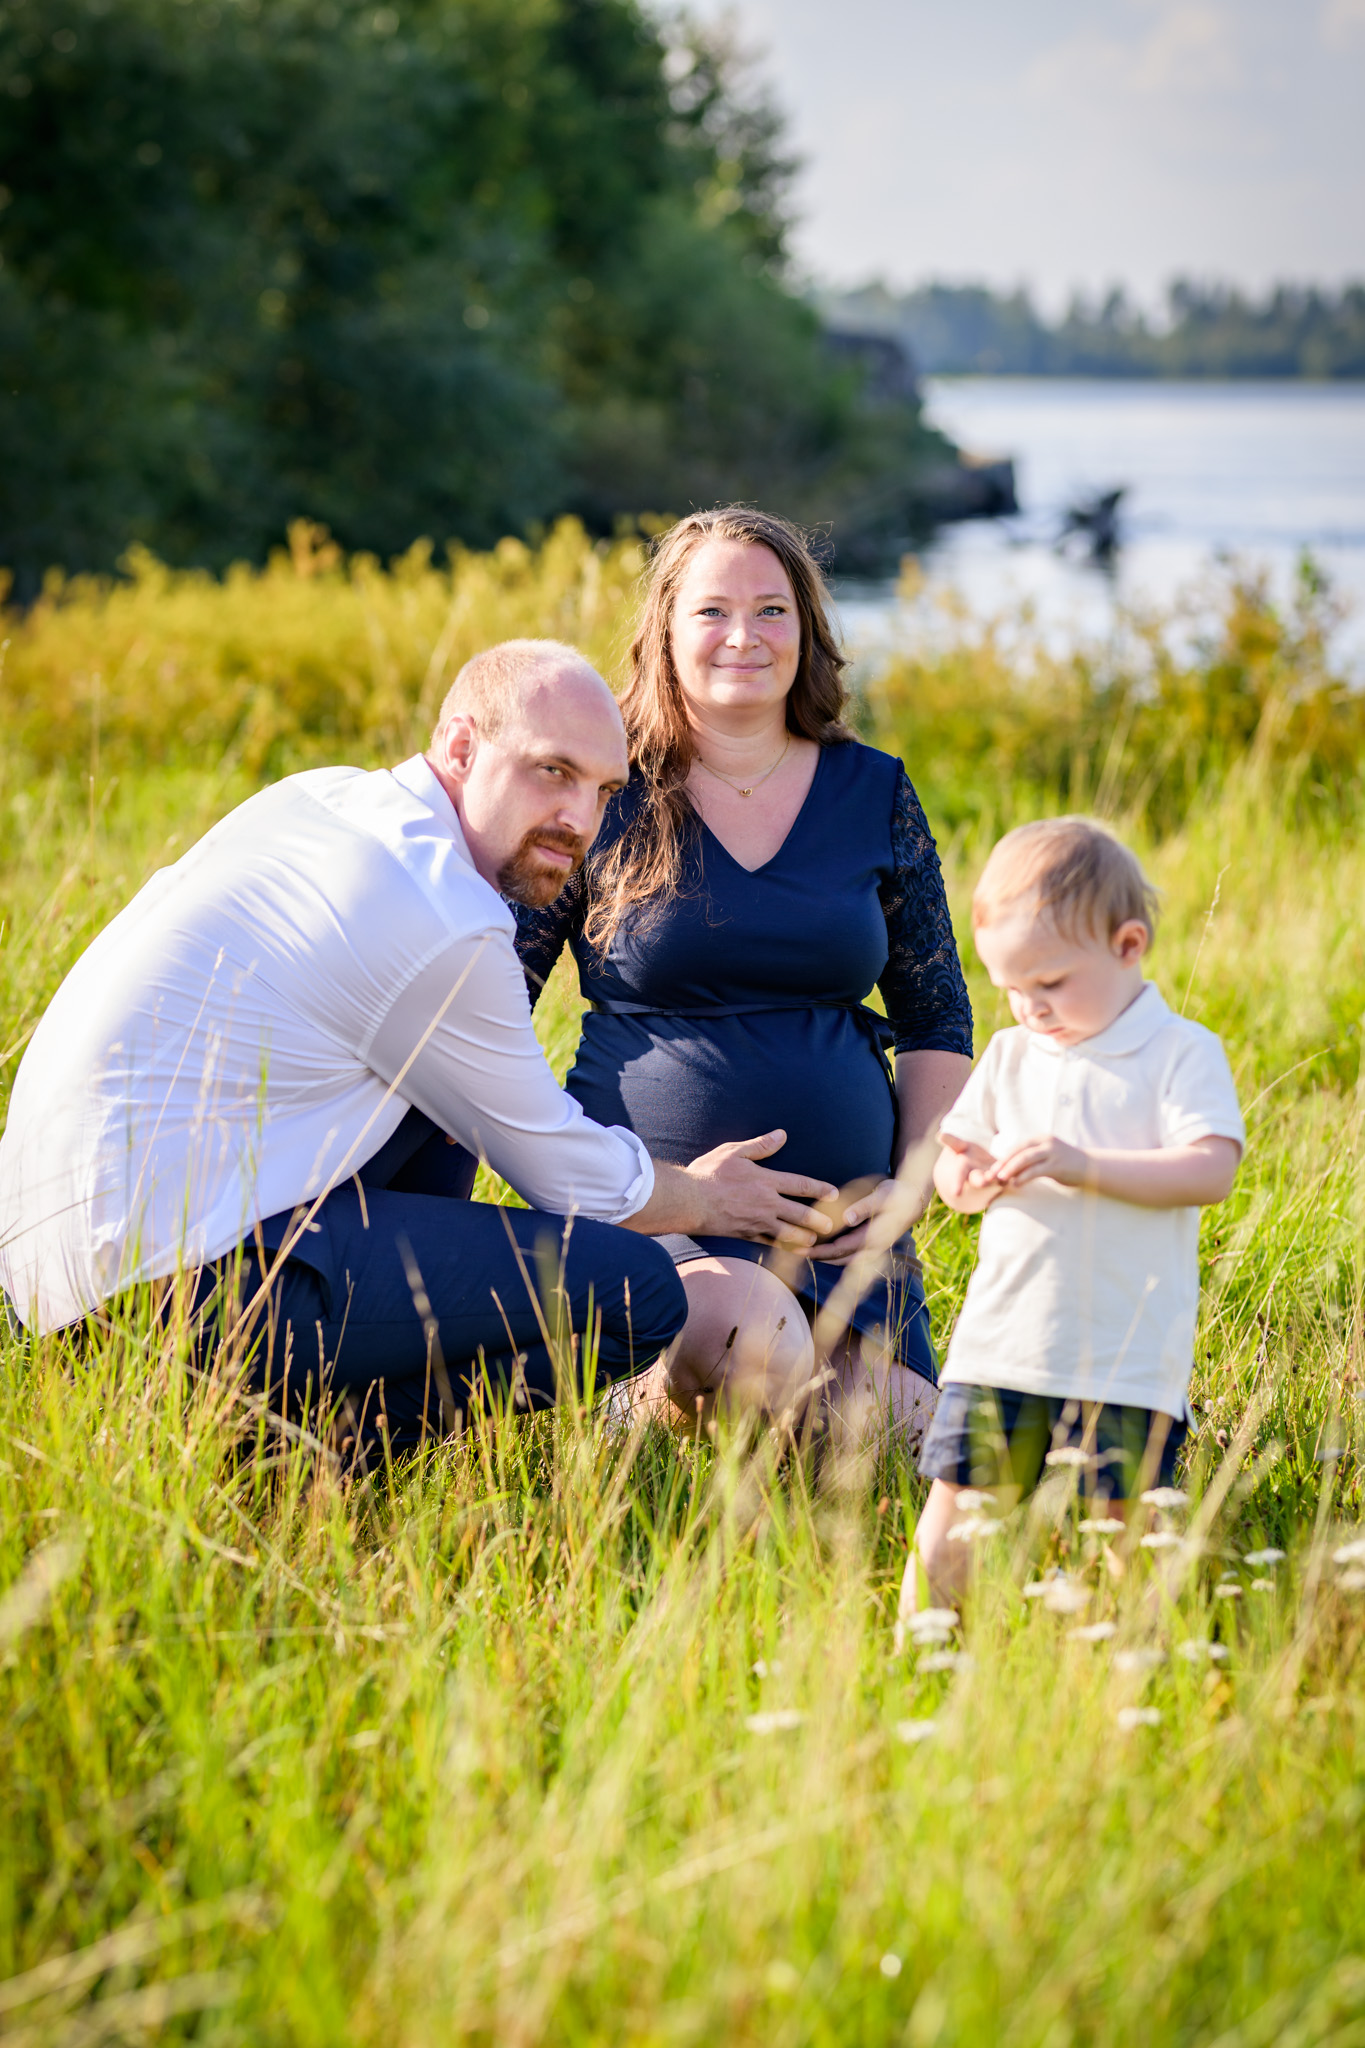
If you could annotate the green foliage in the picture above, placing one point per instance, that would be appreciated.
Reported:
(443, 269)
(1143, 732)
(311, 657)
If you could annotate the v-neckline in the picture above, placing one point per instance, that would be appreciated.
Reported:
(787, 837)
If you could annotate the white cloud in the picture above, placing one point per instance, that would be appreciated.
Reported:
(1190, 49)
(1341, 23)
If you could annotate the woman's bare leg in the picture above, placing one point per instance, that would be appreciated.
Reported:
(746, 1344)
(872, 1398)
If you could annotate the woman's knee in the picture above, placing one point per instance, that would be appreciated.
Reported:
(746, 1340)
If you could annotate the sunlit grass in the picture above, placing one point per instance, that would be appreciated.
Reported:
(558, 1734)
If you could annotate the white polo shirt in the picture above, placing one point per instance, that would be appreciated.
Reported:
(1075, 1293)
(254, 1026)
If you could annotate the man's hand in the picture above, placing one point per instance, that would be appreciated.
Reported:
(965, 1175)
(726, 1193)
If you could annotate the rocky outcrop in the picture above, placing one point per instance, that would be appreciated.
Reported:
(972, 487)
(888, 368)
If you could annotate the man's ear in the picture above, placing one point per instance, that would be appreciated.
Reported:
(454, 745)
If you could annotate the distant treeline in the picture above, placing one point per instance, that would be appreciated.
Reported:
(433, 267)
(1207, 331)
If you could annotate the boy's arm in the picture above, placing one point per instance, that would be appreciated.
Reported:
(1174, 1177)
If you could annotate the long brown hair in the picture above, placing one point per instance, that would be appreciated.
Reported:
(645, 864)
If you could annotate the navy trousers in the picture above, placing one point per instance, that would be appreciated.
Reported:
(402, 1292)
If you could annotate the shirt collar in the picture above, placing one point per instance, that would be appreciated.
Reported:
(1129, 1032)
(420, 779)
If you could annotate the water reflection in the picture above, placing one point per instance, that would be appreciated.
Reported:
(1255, 472)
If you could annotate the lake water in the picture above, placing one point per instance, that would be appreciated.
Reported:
(1258, 472)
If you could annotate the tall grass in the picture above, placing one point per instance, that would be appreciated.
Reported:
(555, 1734)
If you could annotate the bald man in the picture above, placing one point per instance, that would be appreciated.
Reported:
(276, 1071)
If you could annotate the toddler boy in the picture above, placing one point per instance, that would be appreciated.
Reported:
(1090, 1135)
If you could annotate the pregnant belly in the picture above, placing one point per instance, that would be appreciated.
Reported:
(685, 1085)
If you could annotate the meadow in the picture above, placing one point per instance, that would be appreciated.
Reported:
(564, 1732)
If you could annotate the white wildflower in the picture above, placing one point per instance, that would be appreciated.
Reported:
(1145, 1658)
(1165, 1497)
(1161, 1539)
(1102, 1525)
(916, 1731)
(1197, 1649)
(1094, 1632)
(1263, 1585)
(946, 1660)
(1262, 1557)
(762, 1669)
(890, 1966)
(1352, 1582)
(1061, 1597)
(1071, 1455)
(973, 1527)
(1228, 1589)
(777, 1722)
(1130, 1718)
(931, 1619)
(1350, 1553)
(971, 1501)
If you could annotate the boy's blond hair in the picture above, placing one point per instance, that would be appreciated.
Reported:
(1072, 871)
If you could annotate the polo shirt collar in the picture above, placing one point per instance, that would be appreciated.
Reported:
(1129, 1032)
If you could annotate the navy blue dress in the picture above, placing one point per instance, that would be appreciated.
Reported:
(738, 1007)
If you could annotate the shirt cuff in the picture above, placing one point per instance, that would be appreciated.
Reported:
(642, 1187)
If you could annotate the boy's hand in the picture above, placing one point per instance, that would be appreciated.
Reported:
(1046, 1159)
(965, 1175)
(1166, 1177)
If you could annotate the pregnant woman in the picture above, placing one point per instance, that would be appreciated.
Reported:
(759, 875)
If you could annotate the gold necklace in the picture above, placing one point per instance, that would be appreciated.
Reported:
(740, 788)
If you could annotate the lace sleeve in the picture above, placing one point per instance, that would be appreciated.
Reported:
(543, 934)
(923, 989)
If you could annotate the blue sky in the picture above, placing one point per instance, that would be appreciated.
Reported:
(1071, 142)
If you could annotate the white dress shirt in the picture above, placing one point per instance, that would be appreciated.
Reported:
(254, 1026)
(1076, 1293)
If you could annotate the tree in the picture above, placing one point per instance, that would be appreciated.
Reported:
(444, 268)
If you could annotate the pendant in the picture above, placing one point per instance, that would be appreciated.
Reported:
(746, 792)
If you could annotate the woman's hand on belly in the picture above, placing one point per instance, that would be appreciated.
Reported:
(878, 1214)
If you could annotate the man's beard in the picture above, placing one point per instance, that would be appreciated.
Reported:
(524, 879)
